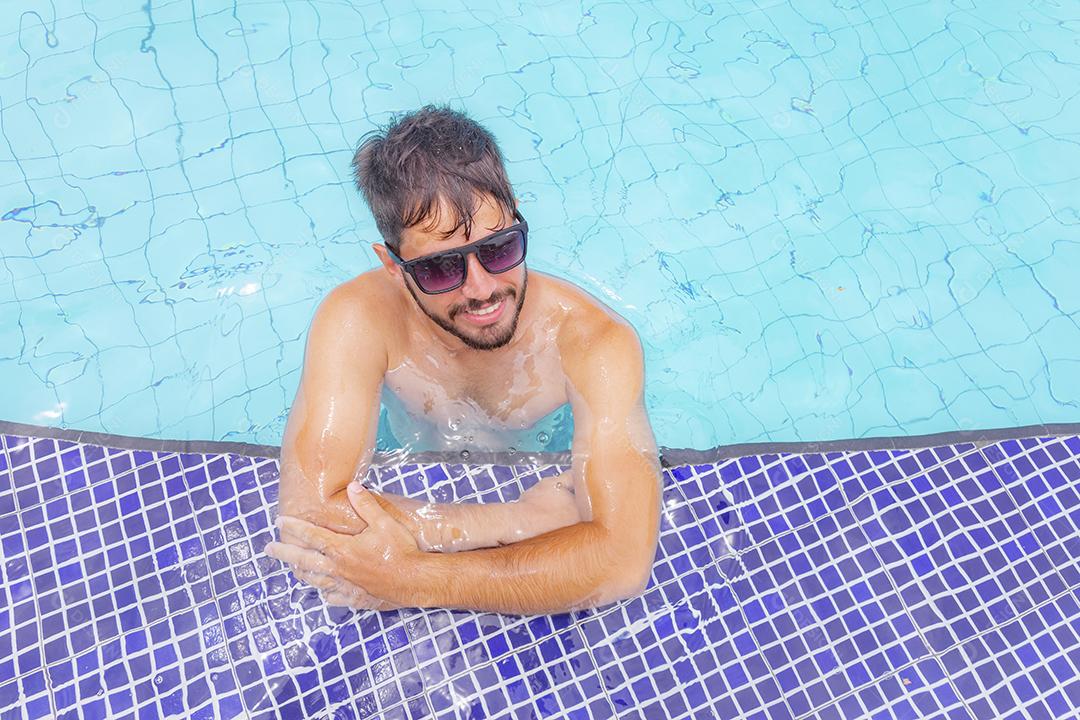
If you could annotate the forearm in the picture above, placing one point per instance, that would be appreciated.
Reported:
(455, 527)
(571, 568)
(334, 513)
(452, 527)
(437, 527)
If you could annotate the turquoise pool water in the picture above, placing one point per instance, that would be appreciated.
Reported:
(825, 222)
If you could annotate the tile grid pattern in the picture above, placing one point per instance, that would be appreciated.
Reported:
(937, 582)
(860, 200)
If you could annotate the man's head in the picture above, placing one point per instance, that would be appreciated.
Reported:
(434, 180)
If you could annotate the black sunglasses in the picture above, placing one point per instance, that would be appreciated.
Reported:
(445, 271)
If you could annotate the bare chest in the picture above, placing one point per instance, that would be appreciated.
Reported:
(508, 396)
(433, 404)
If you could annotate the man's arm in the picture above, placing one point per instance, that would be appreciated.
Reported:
(330, 434)
(455, 527)
(604, 559)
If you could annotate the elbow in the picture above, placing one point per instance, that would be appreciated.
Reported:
(629, 580)
(622, 590)
(632, 562)
(639, 587)
(636, 583)
(618, 573)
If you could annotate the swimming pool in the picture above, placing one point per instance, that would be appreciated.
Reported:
(851, 224)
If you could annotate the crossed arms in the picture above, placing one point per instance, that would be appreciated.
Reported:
(551, 551)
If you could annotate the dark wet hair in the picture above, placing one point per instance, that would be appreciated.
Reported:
(403, 169)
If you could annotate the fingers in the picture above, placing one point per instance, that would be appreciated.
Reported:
(365, 505)
(311, 566)
(336, 599)
(352, 596)
(337, 592)
(332, 585)
(288, 533)
(319, 580)
(339, 599)
(308, 535)
(304, 559)
(357, 602)
(290, 537)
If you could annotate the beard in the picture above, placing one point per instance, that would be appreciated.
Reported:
(489, 337)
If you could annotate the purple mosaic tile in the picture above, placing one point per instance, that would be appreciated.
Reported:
(785, 585)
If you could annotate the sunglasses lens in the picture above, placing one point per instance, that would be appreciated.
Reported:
(439, 274)
(503, 252)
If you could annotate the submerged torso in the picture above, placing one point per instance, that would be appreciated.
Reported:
(514, 397)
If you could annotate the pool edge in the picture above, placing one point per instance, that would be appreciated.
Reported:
(670, 457)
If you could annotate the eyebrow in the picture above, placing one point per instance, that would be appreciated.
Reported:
(490, 231)
(471, 242)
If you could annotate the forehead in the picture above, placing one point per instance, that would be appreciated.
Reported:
(432, 235)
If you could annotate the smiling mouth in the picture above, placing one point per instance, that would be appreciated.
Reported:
(487, 310)
(486, 315)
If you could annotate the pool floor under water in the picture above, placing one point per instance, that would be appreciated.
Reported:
(939, 582)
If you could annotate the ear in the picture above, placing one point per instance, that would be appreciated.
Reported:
(384, 257)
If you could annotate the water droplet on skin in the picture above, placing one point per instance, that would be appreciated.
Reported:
(543, 438)
(558, 486)
(464, 454)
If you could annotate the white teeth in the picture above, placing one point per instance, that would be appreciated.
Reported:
(487, 311)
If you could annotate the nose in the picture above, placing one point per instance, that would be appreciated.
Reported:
(479, 284)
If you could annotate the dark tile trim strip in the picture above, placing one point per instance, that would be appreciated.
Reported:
(979, 438)
(670, 457)
(217, 447)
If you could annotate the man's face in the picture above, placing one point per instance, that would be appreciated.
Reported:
(481, 290)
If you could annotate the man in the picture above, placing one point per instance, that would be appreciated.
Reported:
(456, 326)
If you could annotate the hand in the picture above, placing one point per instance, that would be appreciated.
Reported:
(381, 563)
(339, 593)
(334, 591)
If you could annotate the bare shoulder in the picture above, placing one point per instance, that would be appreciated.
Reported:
(604, 365)
(355, 315)
(590, 332)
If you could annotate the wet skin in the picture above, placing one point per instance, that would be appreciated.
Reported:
(585, 538)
